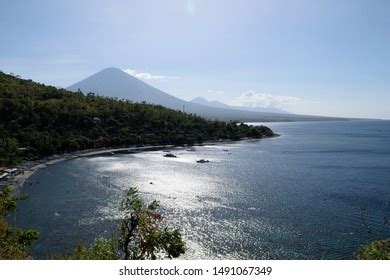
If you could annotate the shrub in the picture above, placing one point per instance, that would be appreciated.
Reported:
(141, 236)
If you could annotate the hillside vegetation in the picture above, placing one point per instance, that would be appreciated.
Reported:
(14, 242)
(38, 120)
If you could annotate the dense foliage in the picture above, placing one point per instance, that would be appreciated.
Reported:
(376, 250)
(141, 236)
(47, 120)
(379, 247)
(14, 242)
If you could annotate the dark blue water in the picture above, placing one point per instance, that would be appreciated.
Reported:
(298, 196)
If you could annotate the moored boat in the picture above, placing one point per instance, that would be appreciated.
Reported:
(170, 155)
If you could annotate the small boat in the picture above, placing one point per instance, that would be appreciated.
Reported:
(190, 150)
(170, 155)
(166, 151)
(202, 161)
(225, 150)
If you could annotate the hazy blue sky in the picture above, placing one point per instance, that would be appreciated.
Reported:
(311, 57)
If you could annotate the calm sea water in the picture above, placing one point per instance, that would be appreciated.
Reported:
(299, 196)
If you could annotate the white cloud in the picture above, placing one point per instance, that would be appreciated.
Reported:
(215, 92)
(252, 99)
(148, 76)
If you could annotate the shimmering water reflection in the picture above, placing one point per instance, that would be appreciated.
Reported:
(298, 196)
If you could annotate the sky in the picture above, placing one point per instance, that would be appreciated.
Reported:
(328, 58)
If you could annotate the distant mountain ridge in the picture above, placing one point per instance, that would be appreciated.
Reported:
(113, 82)
(217, 104)
(213, 103)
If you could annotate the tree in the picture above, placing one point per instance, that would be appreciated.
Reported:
(379, 248)
(141, 236)
(9, 149)
(376, 250)
(14, 242)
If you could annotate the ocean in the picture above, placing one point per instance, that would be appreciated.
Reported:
(298, 196)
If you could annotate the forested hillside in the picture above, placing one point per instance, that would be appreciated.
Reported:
(38, 120)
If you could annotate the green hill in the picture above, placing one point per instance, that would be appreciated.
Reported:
(38, 120)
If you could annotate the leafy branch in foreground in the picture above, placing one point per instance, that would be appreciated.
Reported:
(379, 249)
(141, 236)
(376, 250)
(14, 242)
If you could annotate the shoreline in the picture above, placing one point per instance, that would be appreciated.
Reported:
(30, 167)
